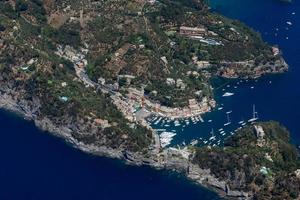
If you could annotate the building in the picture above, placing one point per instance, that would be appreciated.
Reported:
(192, 31)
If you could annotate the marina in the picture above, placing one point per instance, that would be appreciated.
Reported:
(180, 131)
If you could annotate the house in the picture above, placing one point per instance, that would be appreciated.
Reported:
(202, 64)
(170, 81)
(193, 32)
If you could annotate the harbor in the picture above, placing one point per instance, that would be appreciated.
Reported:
(214, 127)
(47, 160)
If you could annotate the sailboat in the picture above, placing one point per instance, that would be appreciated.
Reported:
(213, 137)
(228, 119)
(255, 115)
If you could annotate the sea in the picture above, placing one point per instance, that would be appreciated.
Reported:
(35, 165)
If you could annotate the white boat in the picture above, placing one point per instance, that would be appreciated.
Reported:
(159, 130)
(289, 23)
(194, 142)
(210, 121)
(166, 138)
(228, 94)
(228, 119)
(220, 129)
(176, 123)
(220, 108)
(241, 122)
(213, 137)
(255, 115)
(201, 119)
(159, 119)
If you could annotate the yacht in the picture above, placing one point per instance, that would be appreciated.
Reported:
(255, 115)
(228, 94)
(228, 119)
(241, 122)
(213, 137)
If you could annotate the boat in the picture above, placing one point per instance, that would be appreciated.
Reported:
(201, 119)
(289, 23)
(228, 119)
(194, 142)
(176, 123)
(160, 130)
(220, 108)
(255, 115)
(159, 119)
(228, 94)
(241, 122)
(210, 121)
(166, 138)
(213, 137)
(220, 129)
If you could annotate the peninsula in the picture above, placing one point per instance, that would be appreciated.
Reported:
(91, 71)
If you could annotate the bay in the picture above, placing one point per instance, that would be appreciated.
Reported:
(35, 165)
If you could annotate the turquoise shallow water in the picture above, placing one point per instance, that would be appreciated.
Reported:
(35, 165)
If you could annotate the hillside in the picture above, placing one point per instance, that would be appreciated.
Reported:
(258, 160)
(87, 67)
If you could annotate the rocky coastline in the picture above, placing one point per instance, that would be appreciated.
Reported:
(251, 69)
(169, 158)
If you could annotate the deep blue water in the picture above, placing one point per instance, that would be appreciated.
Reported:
(35, 165)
